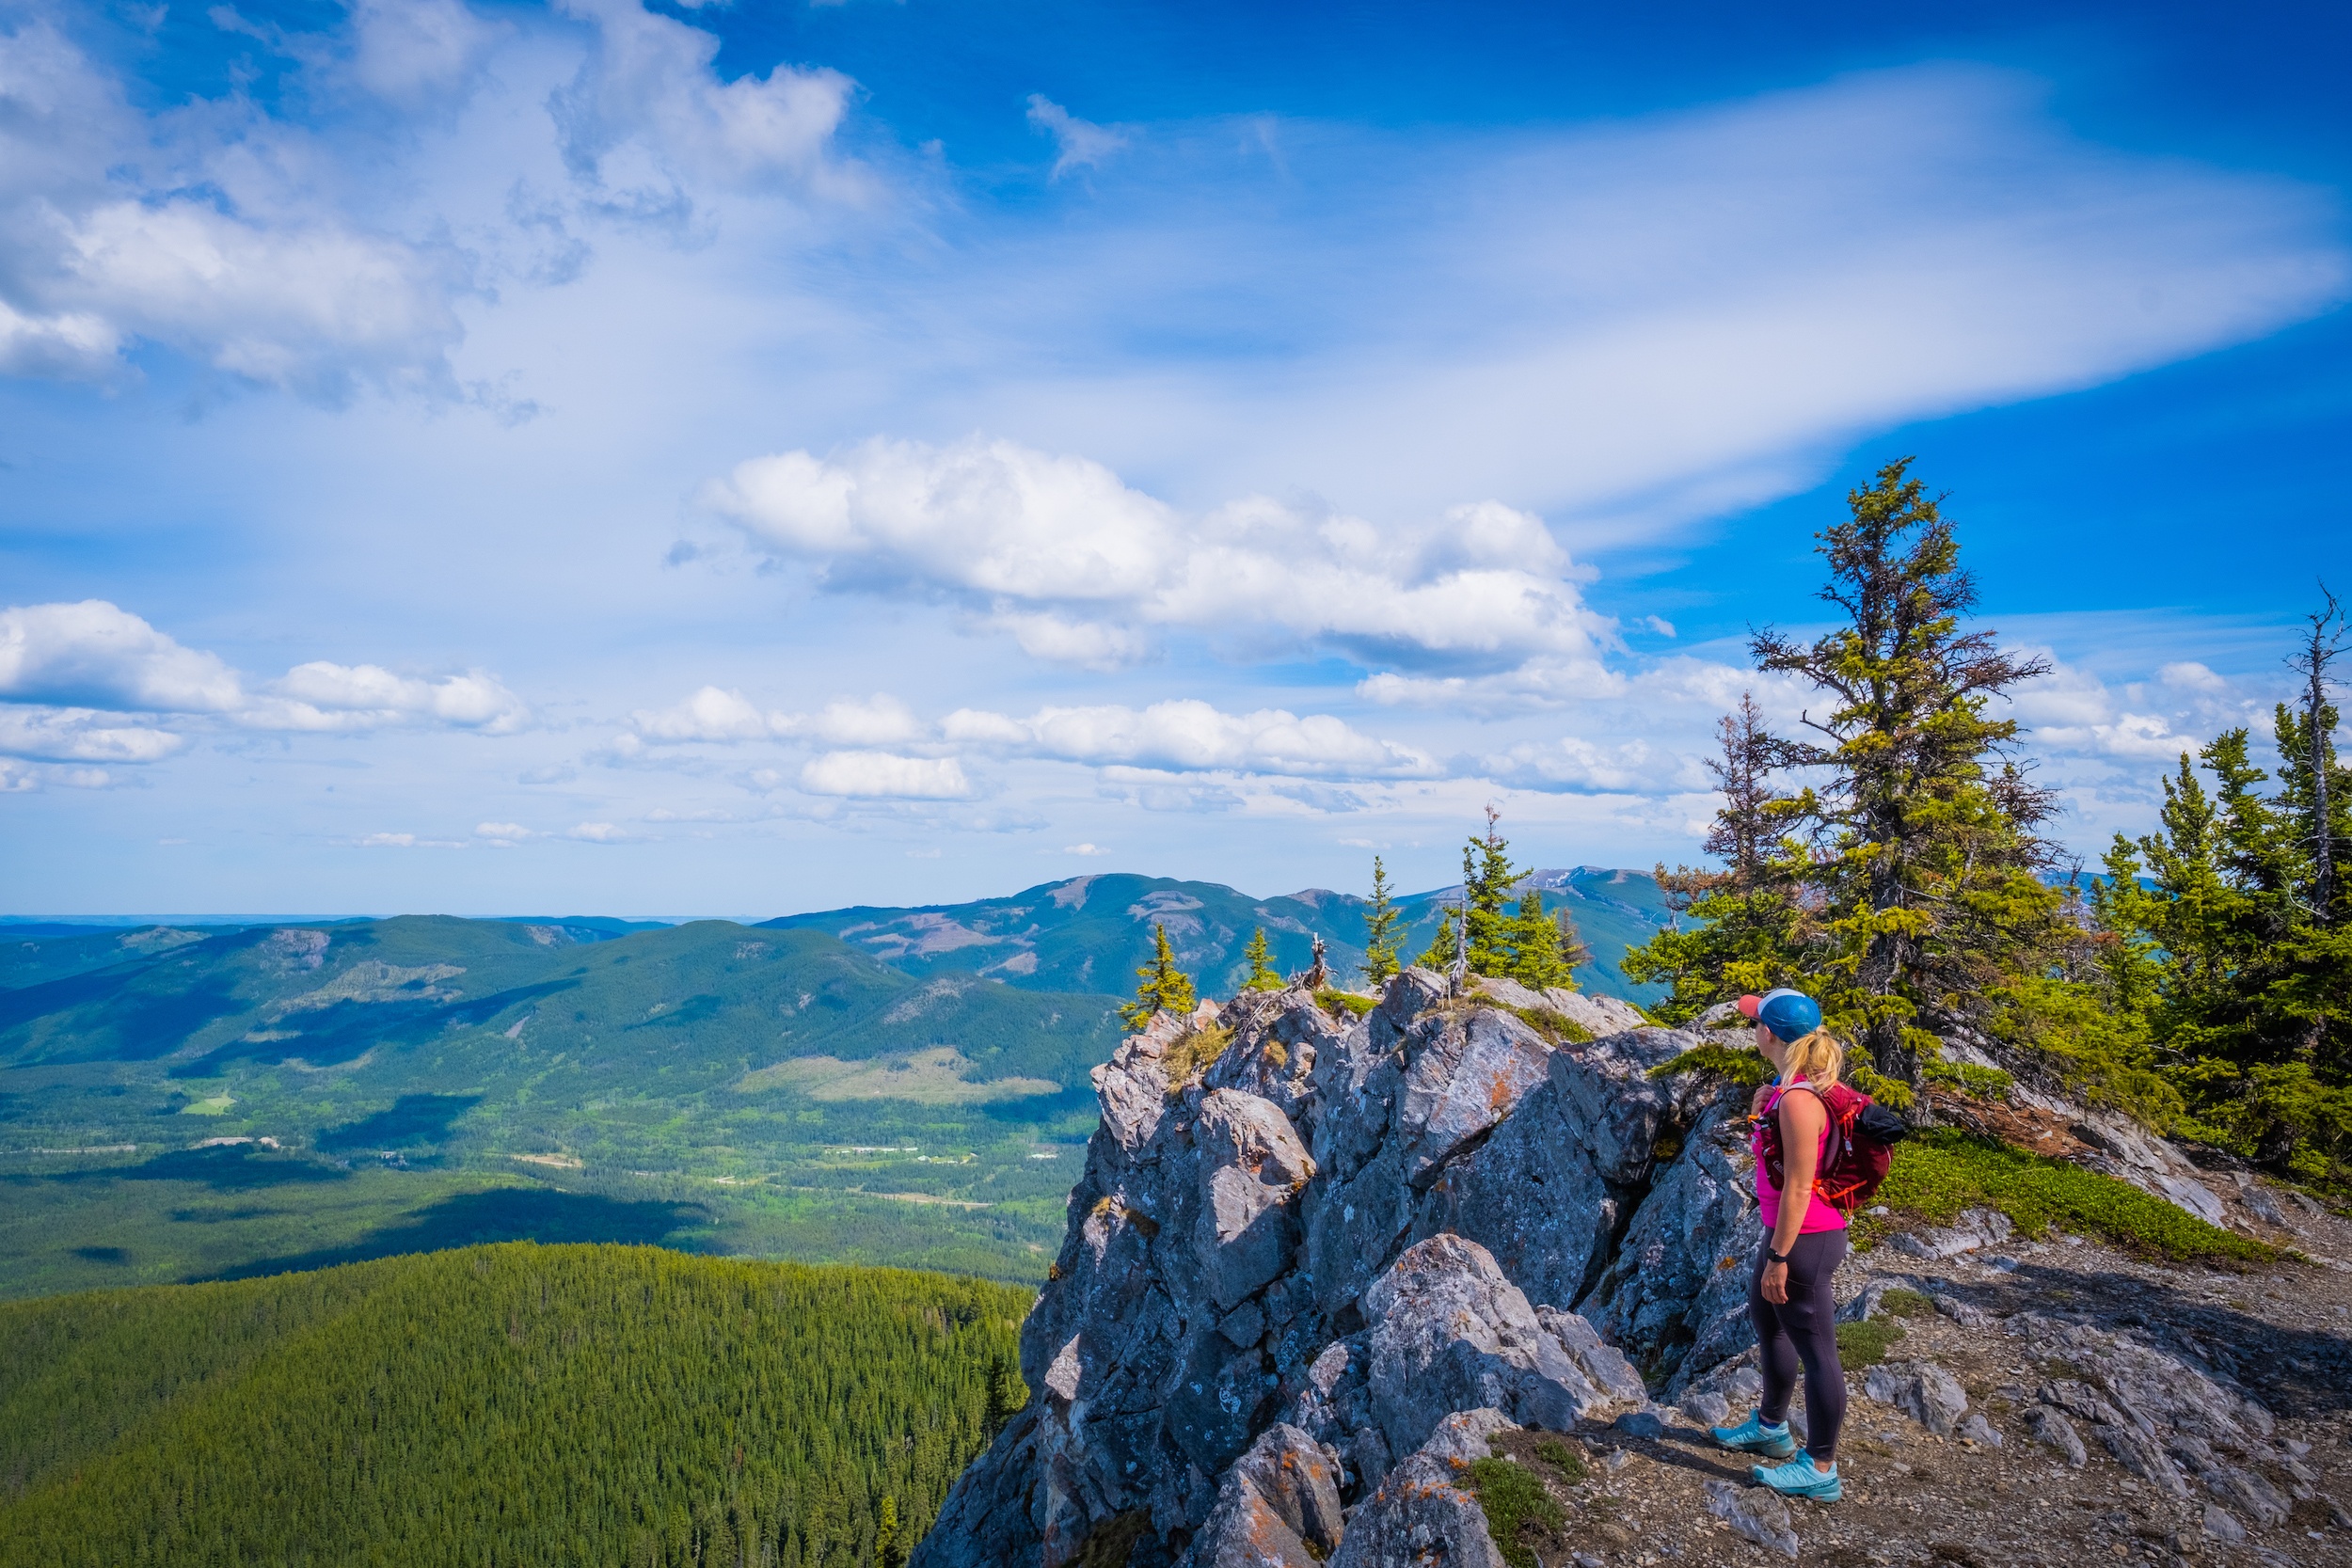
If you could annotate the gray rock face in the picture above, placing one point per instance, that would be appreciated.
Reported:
(1417, 1517)
(1978, 1229)
(1300, 1280)
(1451, 1332)
(1550, 1188)
(1681, 1275)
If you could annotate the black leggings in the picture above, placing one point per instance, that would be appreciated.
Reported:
(1802, 1329)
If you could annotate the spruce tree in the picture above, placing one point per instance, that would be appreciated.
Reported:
(1263, 976)
(1163, 989)
(1381, 936)
(1920, 843)
(1487, 878)
(1749, 929)
(1539, 956)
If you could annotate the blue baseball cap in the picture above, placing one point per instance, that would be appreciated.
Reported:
(1790, 1014)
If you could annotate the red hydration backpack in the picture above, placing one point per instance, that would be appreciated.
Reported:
(1861, 1138)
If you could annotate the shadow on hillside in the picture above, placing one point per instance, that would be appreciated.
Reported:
(414, 1120)
(230, 1168)
(500, 1214)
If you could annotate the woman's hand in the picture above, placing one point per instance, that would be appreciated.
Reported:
(1776, 1284)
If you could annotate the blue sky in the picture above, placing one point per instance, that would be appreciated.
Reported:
(739, 459)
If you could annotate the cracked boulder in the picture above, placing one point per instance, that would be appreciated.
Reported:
(1279, 1507)
(1450, 1333)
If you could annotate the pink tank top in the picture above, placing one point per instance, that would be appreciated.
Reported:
(1822, 1215)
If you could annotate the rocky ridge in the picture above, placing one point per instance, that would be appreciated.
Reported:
(1319, 1266)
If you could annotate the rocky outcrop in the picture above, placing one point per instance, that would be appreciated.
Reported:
(1299, 1275)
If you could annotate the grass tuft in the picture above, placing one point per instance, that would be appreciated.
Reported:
(1938, 1173)
(1347, 1001)
(1514, 1497)
(1192, 1054)
(1742, 1065)
(1866, 1344)
(1554, 1025)
(1562, 1458)
(1907, 1304)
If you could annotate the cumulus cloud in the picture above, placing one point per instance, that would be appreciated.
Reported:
(503, 832)
(885, 775)
(184, 232)
(1075, 563)
(1190, 735)
(1078, 143)
(713, 715)
(598, 832)
(646, 111)
(82, 673)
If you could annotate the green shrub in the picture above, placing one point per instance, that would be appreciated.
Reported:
(1553, 1024)
(1740, 1063)
(1893, 1093)
(1561, 1457)
(1906, 1304)
(1939, 1173)
(1347, 1001)
(1982, 1082)
(1514, 1497)
(1866, 1344)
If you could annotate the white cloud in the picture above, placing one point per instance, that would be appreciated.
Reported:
(598, 832)
(647, 111)
(503, 832)
(406, 841)
(1190, 735)
(93, 654)
(406, 50)
(79, 735)
(82, 669)
(1078, 143)
(715, 715)
(1084, 849)
(883, 775)
(709, 714)
(324, 696)
(1072, 561)
(1584, 767)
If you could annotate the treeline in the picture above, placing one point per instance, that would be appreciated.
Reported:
(1890, 857)
(514, 1404)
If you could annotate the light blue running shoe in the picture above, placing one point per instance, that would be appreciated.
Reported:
(1798, 1479)
(1752, 1436)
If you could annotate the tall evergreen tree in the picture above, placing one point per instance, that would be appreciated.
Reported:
(1381, 936)
(1920, 843)
(1263, 976)
(1750, 927)
(1487, 878)
(1164, 988)
(1545, 948)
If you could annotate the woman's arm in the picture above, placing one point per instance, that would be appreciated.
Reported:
(1801, 1119)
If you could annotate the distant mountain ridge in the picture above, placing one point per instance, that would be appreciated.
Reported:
(1090, 933)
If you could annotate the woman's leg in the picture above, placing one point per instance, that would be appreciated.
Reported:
(1776, 1357)
(1809, 1319)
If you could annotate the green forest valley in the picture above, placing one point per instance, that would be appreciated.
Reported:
(510, 1404)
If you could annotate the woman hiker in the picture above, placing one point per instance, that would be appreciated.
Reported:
(1789, 1294)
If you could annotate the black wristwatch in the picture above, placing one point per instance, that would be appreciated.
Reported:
(1774, 1257)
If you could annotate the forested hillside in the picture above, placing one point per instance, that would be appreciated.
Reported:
(854, 1087)
(516, 1404)
(1090, 933)
(373, 1087)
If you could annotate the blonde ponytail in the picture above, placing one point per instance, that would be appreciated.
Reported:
(1818, 1058)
